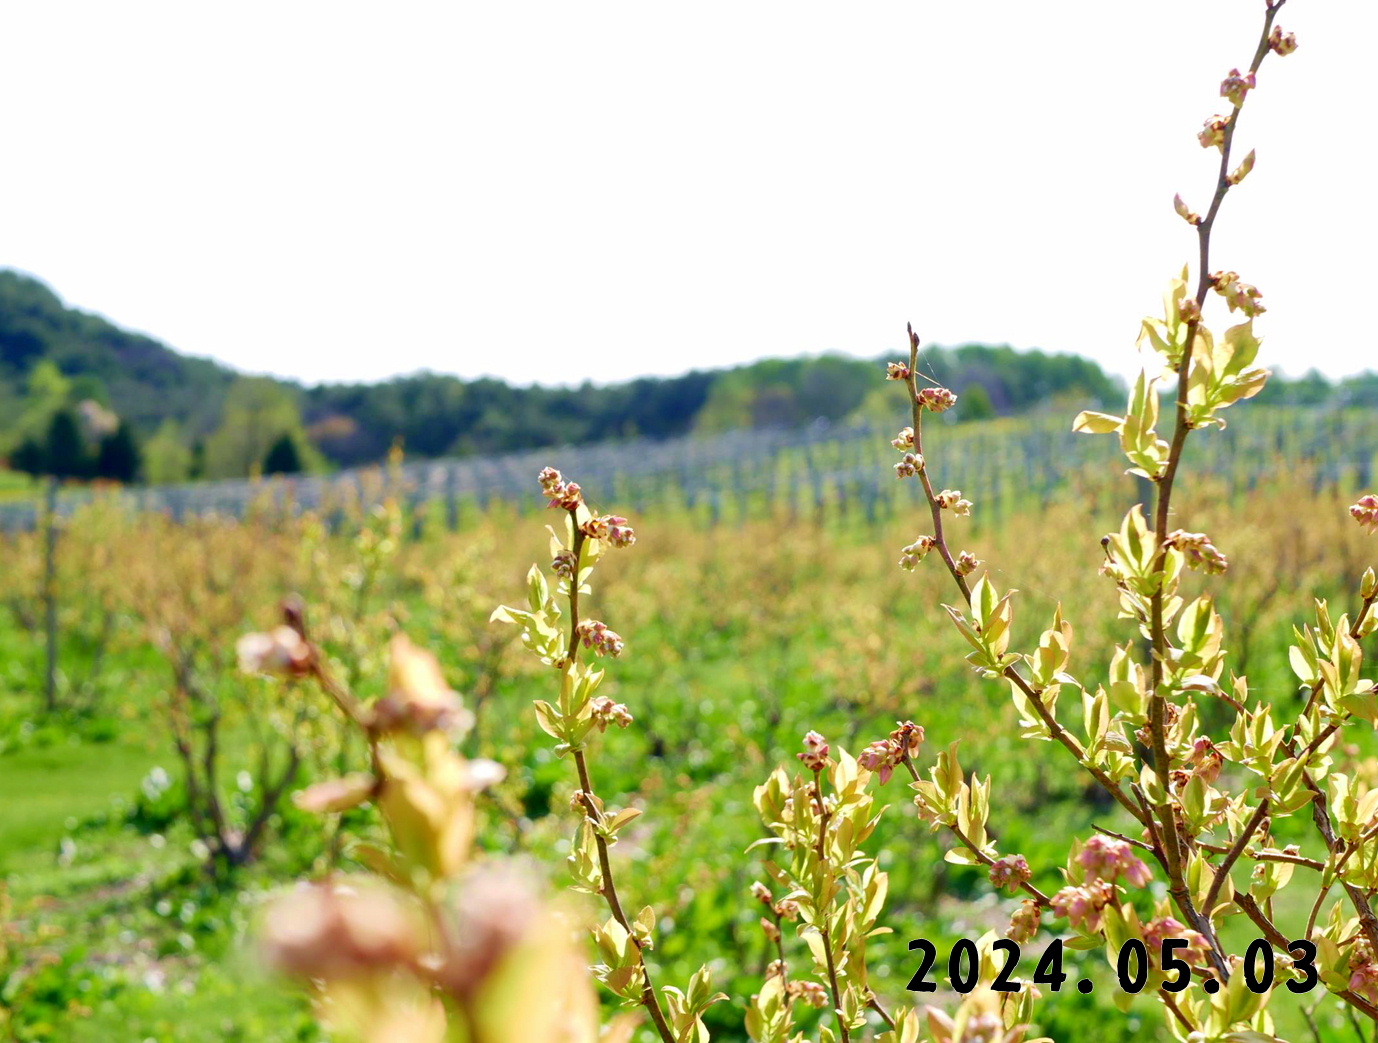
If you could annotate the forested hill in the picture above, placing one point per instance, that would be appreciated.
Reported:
(76, 387)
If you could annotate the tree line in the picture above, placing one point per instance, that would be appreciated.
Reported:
(81, 398)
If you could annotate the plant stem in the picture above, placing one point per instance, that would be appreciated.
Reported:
(649, 999)
(940, 542)
(826, 916)
(1172, 843)
(1223, 872)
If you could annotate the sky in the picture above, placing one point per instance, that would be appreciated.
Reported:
(554, 192)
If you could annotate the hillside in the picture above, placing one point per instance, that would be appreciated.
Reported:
(193, 417)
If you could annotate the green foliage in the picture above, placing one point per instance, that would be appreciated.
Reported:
(167, 458)
(257, 413)
(119, 458)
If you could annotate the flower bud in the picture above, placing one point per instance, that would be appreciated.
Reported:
(606, 712)
(896, 371)
(936, 400)
(1188, 309)
(610, 527)
(1281, 43)
(1236, 85)
(905, 441)
(772, 932)
(1198, 551)
(1238, 295)
(564, 564)
(881, 757)
(329, 931)
(1105, 858)
(1365, 512)
(951, 500)
(1024, 922)
(558, 492)
(911, 555)
(910, 464)
(907, 736)
(966, 563)
(760, 892)
(599, 638)
(815, 755)
(1082, 905)
(1212, 134)
(1008, 872)
(811, 992)
(281, 651)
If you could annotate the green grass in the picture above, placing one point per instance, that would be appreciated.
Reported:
(50, 786)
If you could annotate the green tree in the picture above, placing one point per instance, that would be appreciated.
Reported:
(283, 457)
(28, 457)
(65, 454)
(167, 458)
(118, 457)
(974, 403)
(258, 411)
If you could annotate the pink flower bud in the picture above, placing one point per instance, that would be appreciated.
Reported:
(606, 712)
(564, 564)
(327, 931)
(1009, 872)
(936, 400)
(896, 371)
(1105, 858)
(907, 736)
(810, 992)
(1236, 85)
(1213, 133)
(760, 892)
(1082, 905)
(558, 492)
(1365, 512)
(599, 638)
(966, 563)
(1024, 922)
(612, 528)
(281, 651)
(1198, 551)
(1281, 43)
(880, 757)
(815, 755)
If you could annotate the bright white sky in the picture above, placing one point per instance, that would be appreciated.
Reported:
(558, 191)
